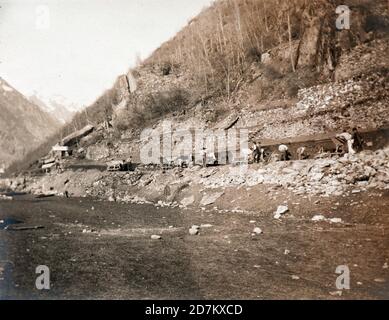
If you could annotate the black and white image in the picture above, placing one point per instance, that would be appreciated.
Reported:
(194, 149)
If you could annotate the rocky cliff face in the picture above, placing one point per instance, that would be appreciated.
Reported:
(23, 125)
(315, 53)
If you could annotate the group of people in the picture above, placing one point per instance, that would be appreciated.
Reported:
(345, 142)
(259, 154)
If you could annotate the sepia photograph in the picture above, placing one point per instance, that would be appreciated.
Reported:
(194, 150)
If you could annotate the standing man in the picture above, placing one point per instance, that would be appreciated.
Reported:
(204, 156)
(301, 153)
(256, 153)
(358, 140)
(57, 165)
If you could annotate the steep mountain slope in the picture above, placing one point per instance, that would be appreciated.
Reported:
(23, 125)
(242, 56)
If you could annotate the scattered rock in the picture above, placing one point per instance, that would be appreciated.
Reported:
(194, 230)
(281, 210)
(321, 176)
(265, 58)
(295, 277)
(4, 197)
(318, 217)
(335, 220)
(257, 231)
(188, 201)
(317, 176)
(211, 198)
(155, 237)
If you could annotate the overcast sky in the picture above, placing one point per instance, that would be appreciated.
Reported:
(76, 48)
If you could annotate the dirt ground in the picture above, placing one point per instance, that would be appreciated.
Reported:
(294, 258)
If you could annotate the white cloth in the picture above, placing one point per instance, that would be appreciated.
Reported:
(350, 146)
(345, 135)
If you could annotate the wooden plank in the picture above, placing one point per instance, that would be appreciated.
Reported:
(16, 228)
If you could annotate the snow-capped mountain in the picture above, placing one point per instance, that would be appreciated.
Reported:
(23, 124)
(57, 106)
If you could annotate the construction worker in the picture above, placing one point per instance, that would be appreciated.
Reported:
(285, 154)
(204, 157)
(345, 141)
(57, 165)
(301, 155)
(129, 163)
(357, 140)
(256, 153)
